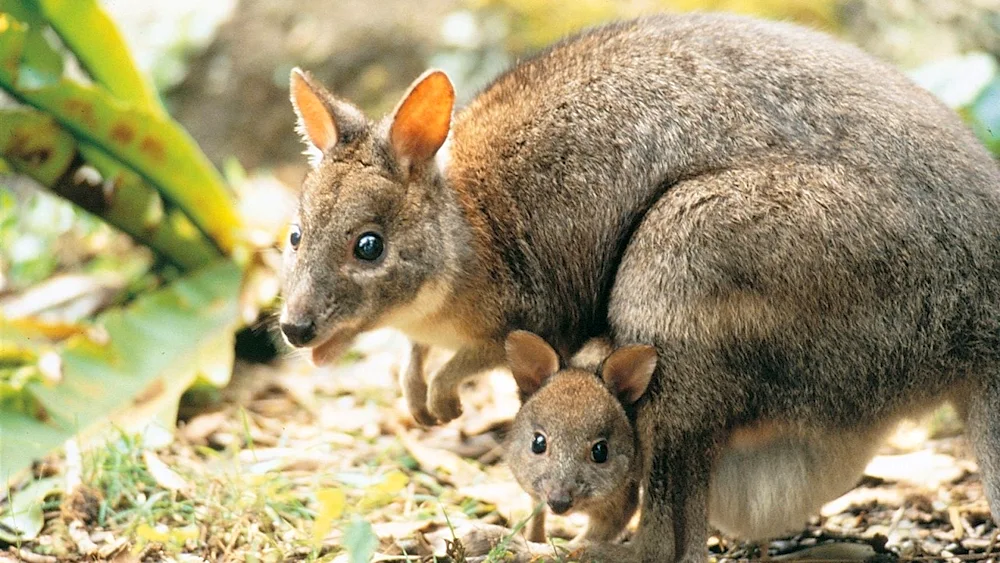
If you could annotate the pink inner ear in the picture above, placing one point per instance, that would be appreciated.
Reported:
(422, 120)
(316, 122)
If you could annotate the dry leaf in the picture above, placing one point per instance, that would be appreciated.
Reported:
(405, 529)
(163, 475)
(924, 468)
(331, 508)
(459, 472)
(198, 429)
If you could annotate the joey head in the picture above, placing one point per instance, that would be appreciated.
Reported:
(572, 443)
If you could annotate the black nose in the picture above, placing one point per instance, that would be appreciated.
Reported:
(560, 504)
(299, 334)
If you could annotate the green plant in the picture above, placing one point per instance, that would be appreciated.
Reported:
(104, 142)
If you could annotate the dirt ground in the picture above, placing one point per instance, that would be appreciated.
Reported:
(294, 463)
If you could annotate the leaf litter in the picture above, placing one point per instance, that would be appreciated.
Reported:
(294, 463)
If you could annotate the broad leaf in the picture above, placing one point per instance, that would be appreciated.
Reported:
(152, 354)
(144, 140)
(94, 39)
(34, 145)
(23, 519)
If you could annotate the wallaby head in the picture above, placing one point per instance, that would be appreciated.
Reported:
(572, 443)
(370, 245)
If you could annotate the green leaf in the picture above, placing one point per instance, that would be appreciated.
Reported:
(360, 540)
(23, 518)
(151, 356)
(985, 116)
(34, 145)
(93, 37)
(145, 141)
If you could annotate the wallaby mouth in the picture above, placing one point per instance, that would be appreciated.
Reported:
(333, 346)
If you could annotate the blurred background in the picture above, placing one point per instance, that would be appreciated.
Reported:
(102, 333)
(222, 68)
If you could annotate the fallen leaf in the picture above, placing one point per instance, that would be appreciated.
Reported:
(198, 429)
(862, 497)
(925, 468)
(385, 491)
(163, 475)
(403, 529)
(331, 503)
(23, 518)
(360, 540)
(455, 469)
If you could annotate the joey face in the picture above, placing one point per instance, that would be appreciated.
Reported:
(571, 444)
(367, 244)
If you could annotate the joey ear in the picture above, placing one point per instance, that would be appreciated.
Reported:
(627, 371)
(323, 121)
(421, 121)
(531, 360)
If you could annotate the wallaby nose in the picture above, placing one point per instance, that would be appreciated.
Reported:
(560, 502)
(299, 334)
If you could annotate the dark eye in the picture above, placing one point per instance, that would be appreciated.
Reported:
(295, 237)
(369, 247)
(538, 444)
(599, 452)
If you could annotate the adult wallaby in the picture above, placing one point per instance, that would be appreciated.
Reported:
(811, 242)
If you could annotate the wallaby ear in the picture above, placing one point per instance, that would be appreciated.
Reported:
(531, 360)
(627, 371)
(421, 121)
(322, 120)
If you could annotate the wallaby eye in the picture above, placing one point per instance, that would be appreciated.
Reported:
(599, 452)
(538, 444)
(369, 247)
(295, 237)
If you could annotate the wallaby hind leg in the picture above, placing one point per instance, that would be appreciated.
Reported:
(982, 410)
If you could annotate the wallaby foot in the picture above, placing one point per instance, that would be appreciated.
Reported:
(536, 528)
(414, 386)
(762, 547)
(444, 404)
(442, 393)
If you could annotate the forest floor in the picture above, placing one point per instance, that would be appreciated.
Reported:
(294, 463)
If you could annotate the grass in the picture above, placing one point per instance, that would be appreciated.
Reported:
(297, 465)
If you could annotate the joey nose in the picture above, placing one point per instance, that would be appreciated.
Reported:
(299, 334)
(559, 502)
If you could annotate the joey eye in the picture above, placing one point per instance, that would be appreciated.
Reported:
(295, 237)
(538, 444)
(369, 247)
(599, 452)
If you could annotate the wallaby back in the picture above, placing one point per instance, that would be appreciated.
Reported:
(808, 239)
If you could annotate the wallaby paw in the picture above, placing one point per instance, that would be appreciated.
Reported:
(445, 408)
(423, 416)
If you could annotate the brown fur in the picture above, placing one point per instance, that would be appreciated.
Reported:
(806, 237)
(572, 409)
